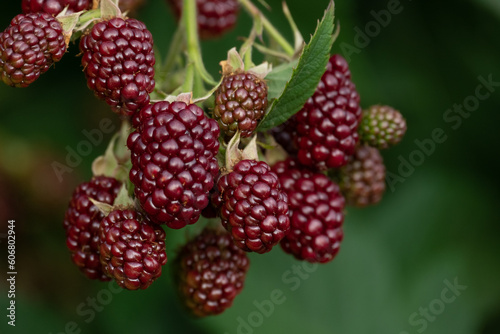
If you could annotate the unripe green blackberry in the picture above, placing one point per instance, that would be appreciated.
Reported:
(240, 103)
(382, 126)
(362, 180)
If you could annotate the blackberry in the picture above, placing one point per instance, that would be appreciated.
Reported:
(253, 207)
(214, 17)
(54, 7)
(174, 161)
(210, 273)
(132, 249)
(327, 124)
(82, 220)
(382, 126)
(284, 135)
(28, 47)
(362, 180)
(240, 102)
(118, 62)
(316, 213)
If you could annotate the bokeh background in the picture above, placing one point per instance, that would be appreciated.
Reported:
(439, 223)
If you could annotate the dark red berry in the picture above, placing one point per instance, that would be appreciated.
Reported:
(132, 249)
(240, 102)
(285, 134)
(28, 47)
(253, 207)
(82, 221)
(214, 17)
(327, 124)
(54, 7)
(316, 213)
(118, 62)
(210, 273)
(362, 180)
(174, 161)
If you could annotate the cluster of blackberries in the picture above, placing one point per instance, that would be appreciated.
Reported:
(332, 146)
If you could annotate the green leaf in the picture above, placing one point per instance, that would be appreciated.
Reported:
(305, 78)
(278, 78)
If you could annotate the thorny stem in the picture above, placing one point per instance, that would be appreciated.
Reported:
(271, 30)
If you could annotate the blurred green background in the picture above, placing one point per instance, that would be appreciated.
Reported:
(440, 223)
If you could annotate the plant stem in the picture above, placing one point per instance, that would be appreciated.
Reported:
(246, 49)
(174, 50)
(193, 42)
(188, 84)
(271, 30)
(89, 15)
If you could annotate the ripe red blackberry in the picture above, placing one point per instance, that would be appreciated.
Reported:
(316, 213)
(132, 249)
(54, 7)
(362, 180)
(240, 102)
(214, 17)
(327, 124)
(253, 207)
(210, 273)
(382, 126)
(28, 47)
(174, 161)
(118, 62)
(82, 221)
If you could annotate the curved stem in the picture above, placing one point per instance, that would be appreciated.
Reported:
(173, 51)
(89, 15)
(270, 29)
(246, 49)
(193, 42)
